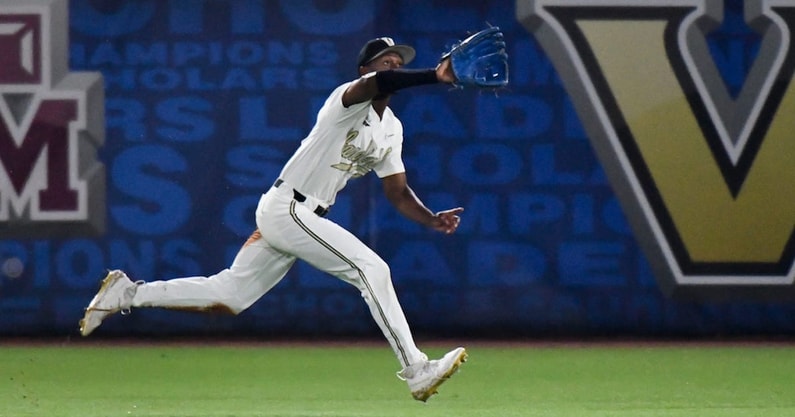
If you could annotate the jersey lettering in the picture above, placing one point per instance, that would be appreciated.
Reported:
(361, 160)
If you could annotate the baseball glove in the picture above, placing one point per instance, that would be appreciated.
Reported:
(480, 60)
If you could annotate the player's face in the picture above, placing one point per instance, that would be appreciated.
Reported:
(387, 61)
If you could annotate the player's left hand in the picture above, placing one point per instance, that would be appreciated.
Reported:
(447, 221)
(444, 71)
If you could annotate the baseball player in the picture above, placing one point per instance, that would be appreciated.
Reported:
(355, 133)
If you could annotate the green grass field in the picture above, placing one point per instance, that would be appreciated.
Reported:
(84, 380)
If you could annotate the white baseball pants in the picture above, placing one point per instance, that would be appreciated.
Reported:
(291, 230)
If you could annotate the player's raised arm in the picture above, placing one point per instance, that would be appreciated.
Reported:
(381, 74)
(384, 82)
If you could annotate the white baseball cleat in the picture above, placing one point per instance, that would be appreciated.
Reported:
(424, 378)
(115, 294)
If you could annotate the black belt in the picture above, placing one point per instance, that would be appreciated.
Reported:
(319, 210)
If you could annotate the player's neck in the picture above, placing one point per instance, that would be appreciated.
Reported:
(379, 105)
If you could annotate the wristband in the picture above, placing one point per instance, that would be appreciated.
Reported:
(390, 81)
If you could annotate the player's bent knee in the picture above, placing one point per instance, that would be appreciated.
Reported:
(378, 276)
(234, 305)
(375, 271)
(377, 268)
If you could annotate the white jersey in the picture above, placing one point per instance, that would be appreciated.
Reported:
(345, 143)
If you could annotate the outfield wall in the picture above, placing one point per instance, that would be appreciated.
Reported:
(203, 101)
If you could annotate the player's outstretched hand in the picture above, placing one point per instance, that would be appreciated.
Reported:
(444, 71)
(447, 221)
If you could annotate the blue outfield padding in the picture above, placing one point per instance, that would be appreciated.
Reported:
(203, 102)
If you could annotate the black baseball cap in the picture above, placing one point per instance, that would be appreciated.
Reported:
(379, 46)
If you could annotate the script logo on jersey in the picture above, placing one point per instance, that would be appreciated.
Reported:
(51, 125)
(706, 177)
(361, 160)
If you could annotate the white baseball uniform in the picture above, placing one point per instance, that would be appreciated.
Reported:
(345, 143)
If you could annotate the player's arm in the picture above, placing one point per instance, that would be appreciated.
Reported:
(401, 196)
(387, 81)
